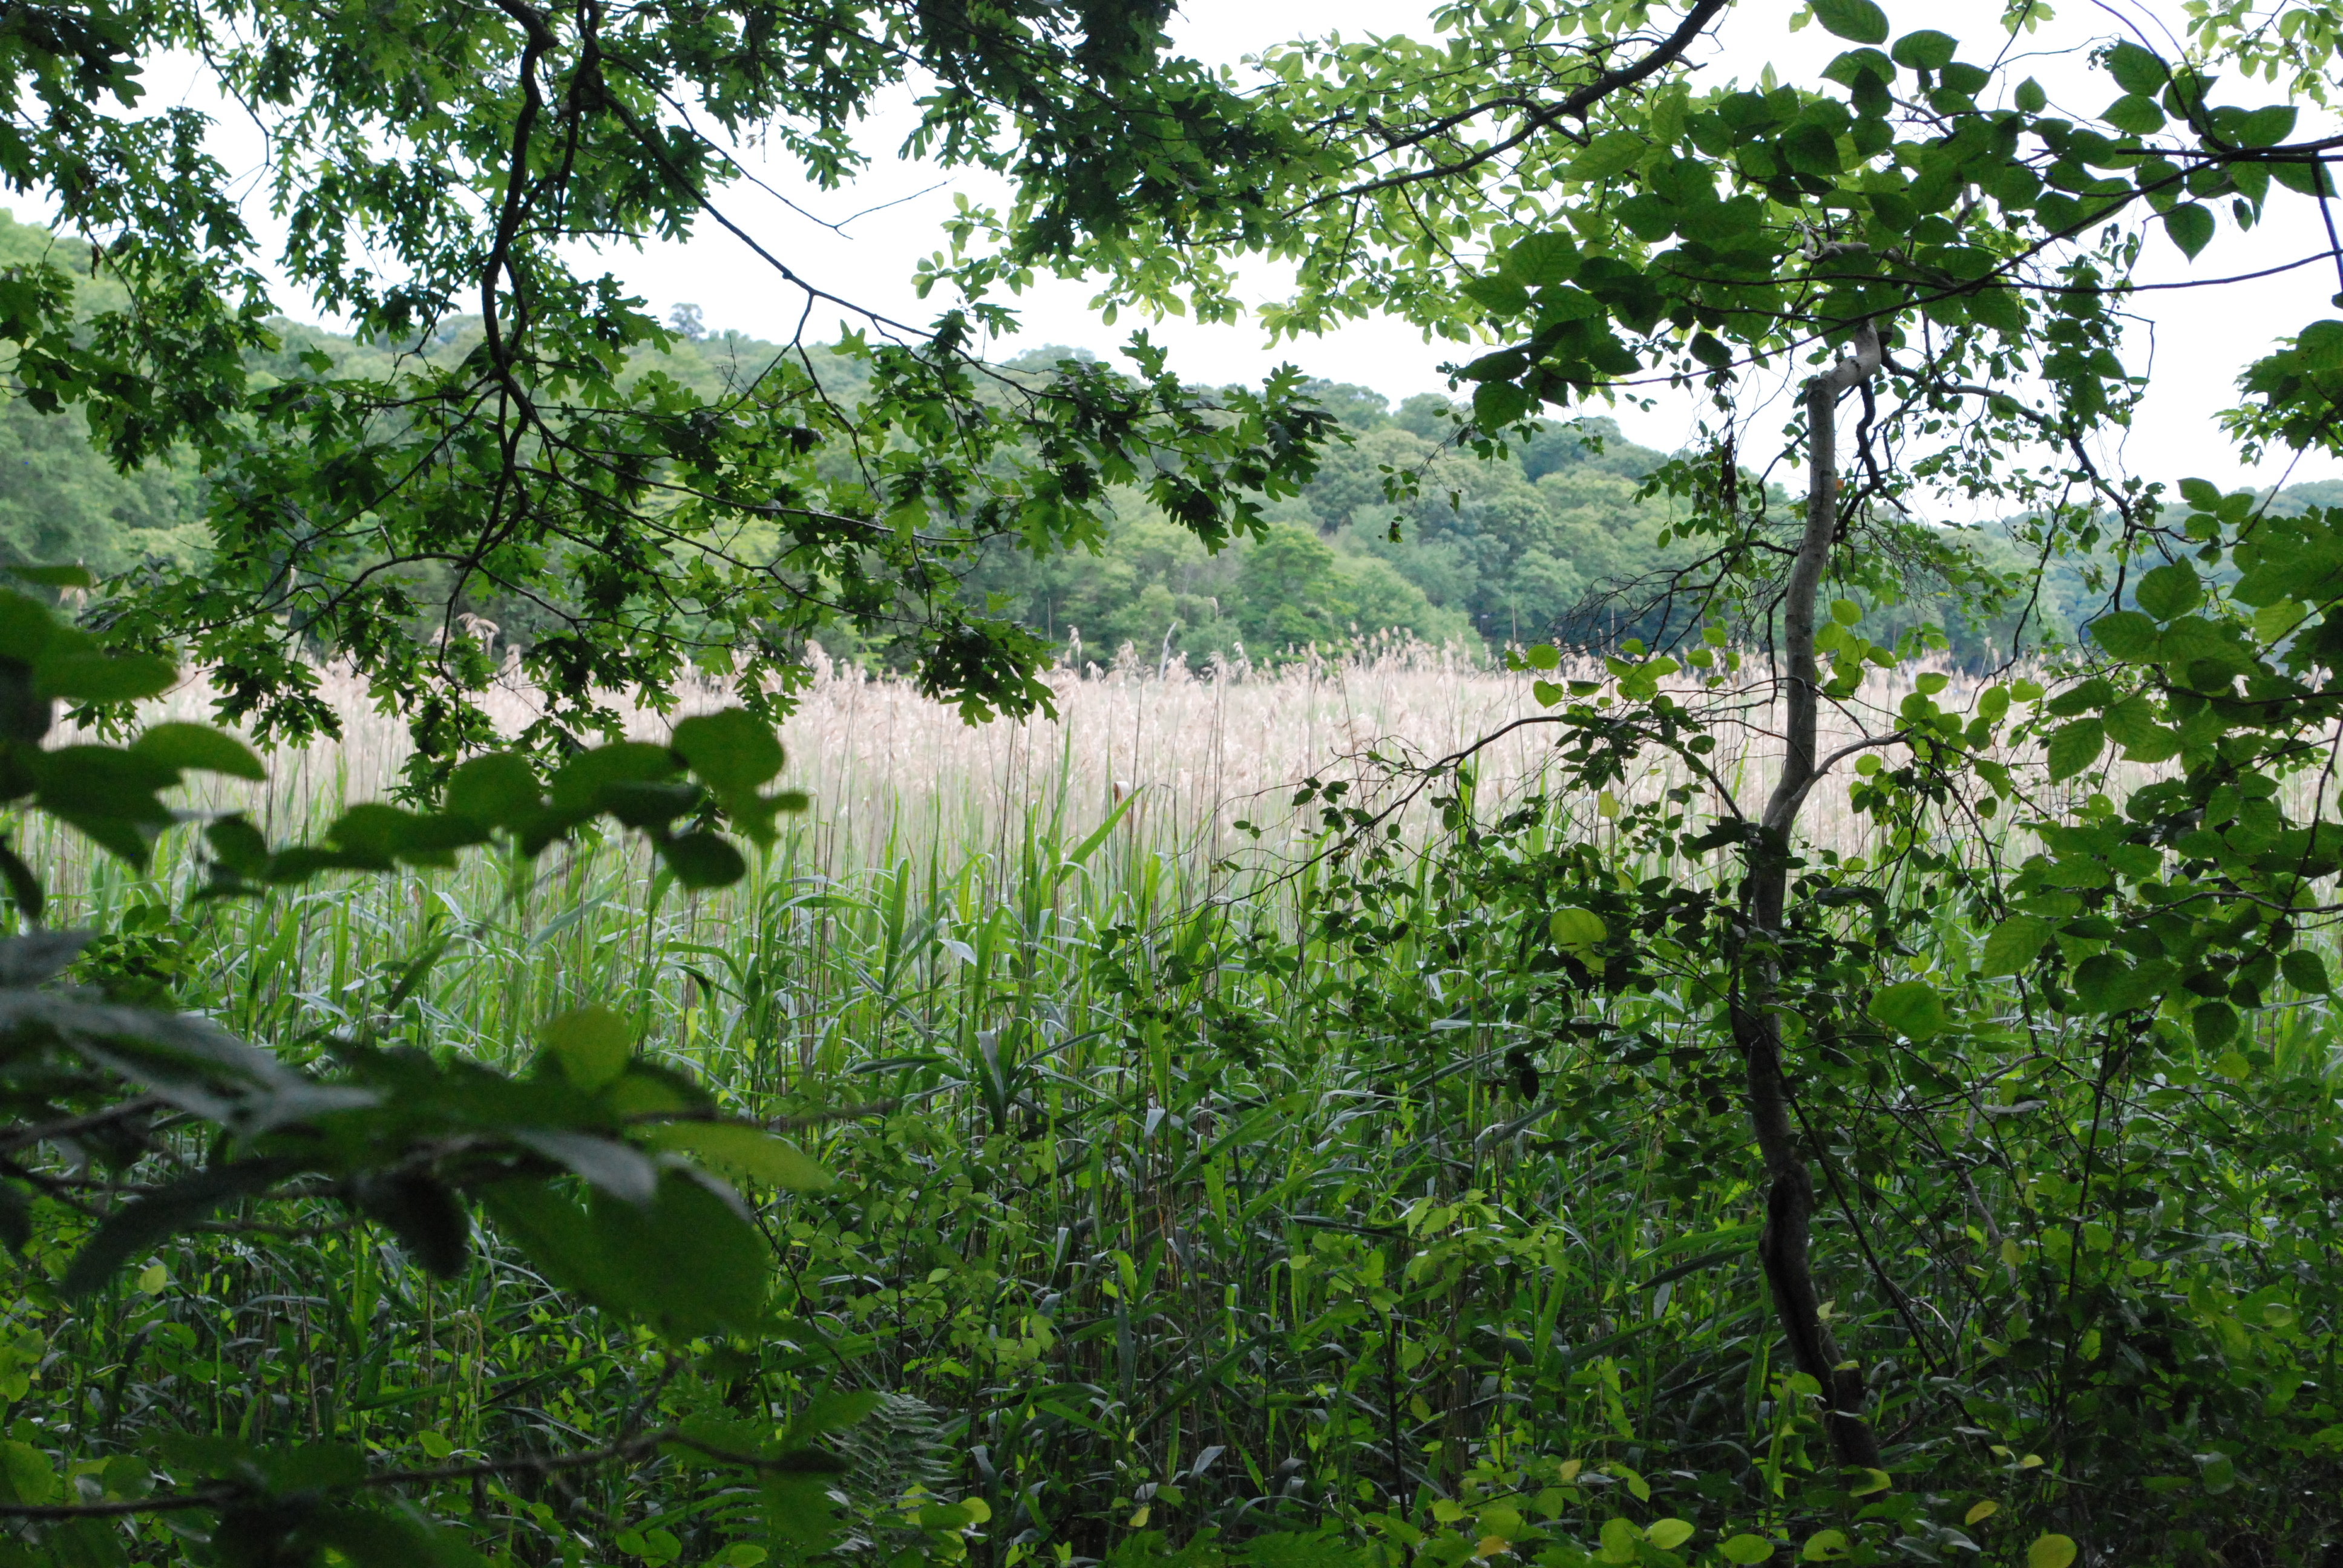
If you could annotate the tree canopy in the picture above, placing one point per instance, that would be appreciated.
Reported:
(426, 164)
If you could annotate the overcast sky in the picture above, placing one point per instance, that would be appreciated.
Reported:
(2200, 339)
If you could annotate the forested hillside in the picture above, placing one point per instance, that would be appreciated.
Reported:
(1549, 541)
(1492, 552)
(1485, 554)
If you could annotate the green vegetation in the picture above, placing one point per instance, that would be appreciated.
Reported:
(1828, 1111)
(1372, 1212)
(1525, 545)
(1488, 554)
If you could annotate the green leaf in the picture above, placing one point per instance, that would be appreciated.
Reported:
(1925, 50)
(238, 846)
(93, 676)
(651, 805)
(702, 860)
(2319, 346)
(2272, 622)
(1849, 69)
(499, 789)
(1500, 295)
(2169, 591)
(372, 835)
(27, 626)
(109, 793)
(2133, 115)
(1541, 259)
(690, 1263)
(2189, 225)
(2131, 721)
(2306, 971)
(1745, 1549)
(2214, 1025)
(797, 1510)
(311, 1465)
(2266, 127)
(23, 888)
(603, 1163)
(27, 1473)
(834, 1410)
(1911, 1008)
(2075, 747)
(578, 786)
(2192, 638)
(1612, 153)
(2135, 69)
(367, 1537)
(2050, 1552)
(2127, 635)
(1497, 404)
(1858, 21)
(2106, 984)
(126, 1476)
(591, 1043)
(423, 1213)
(55, 577)
(2132, 724)
(554, 1233)
(2308, 179)
(1667, 1534)
(2012, 946)
(1576, 931)
(1999, 308)
(2201, 494)
(199, 748)
(749, 1152)
(2029, 97)
(733, 752)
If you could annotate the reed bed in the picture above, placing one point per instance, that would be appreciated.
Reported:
(891, 772)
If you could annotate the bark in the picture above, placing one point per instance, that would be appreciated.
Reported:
(1782, 1249)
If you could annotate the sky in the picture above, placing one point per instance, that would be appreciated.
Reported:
(891, 217)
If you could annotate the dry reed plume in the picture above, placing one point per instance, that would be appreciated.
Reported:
(886, 766)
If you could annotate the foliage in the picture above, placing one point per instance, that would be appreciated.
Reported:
(1949, 256)
(423, 171)
(610, 1173)
(1127, 1177)
(1500, 552)
(1613, 1175)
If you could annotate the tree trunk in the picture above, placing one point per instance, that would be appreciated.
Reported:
(1756, 1021)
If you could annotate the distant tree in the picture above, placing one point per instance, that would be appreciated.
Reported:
(1428, 415)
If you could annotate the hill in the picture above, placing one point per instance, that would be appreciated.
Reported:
(1488, 553)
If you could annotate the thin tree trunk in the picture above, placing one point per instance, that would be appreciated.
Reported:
(1782, 1249)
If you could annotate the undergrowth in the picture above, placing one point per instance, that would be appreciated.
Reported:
(1322, 1205)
